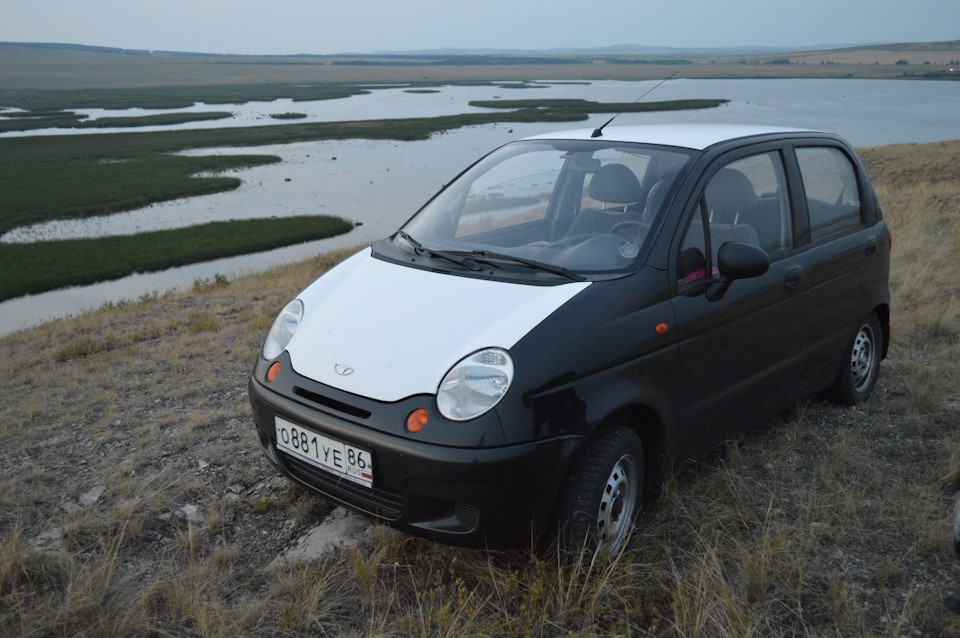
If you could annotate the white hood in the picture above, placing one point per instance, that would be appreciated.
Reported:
(401, 329)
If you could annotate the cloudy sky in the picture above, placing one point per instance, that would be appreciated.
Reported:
(325, 26)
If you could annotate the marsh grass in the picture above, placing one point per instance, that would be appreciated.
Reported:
(587, 106)
(824, 521)
(47, 265)
(69, 177)
(67, 119)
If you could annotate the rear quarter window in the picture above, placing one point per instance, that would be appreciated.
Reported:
(832, 192)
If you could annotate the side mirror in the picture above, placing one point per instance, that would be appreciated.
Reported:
(737, 260)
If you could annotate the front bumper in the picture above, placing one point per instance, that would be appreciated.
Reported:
(495, 496)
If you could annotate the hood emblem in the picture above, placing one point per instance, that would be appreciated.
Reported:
(342, 370)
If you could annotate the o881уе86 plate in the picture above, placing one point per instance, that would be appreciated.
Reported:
(328, 454)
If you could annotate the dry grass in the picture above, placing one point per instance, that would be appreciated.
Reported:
(824, 522)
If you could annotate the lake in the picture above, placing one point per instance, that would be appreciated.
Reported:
(382, 183)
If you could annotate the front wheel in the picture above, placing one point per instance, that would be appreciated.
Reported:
(603, 494)
(860, 365)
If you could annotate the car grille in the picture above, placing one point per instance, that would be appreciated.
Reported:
(377, 502)
(333, 404)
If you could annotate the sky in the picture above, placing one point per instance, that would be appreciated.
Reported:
(285, 27)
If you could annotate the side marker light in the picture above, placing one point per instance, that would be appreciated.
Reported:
(273, 371)
(662, 328)
(417, 420)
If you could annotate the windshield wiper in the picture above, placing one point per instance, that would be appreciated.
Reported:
(463, 261)
(486, 256)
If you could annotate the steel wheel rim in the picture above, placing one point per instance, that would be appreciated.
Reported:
(617, 504)
(863, 358)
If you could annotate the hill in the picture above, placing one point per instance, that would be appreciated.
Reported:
(53, 67)
(134, 499)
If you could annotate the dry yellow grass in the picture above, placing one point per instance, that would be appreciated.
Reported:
(914, 57)
(825, 521)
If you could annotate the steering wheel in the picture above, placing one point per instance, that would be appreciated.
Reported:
(629, 230)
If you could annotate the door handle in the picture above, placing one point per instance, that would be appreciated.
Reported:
(871, 248)
(794, 278)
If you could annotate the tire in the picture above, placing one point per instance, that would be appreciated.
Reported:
(860, 365)
(603, 494)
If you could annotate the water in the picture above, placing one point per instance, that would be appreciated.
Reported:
(381, 103)
(382, 183)
(834, 105)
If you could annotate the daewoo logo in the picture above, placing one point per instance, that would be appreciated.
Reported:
(342, 370)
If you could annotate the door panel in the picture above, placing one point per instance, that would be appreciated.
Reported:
(741, 356)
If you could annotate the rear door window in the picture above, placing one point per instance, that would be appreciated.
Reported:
(830, 186)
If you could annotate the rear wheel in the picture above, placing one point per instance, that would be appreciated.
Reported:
(603, 494)
(860, 365)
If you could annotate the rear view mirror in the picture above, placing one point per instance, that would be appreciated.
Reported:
(737, 260)
(741, 261)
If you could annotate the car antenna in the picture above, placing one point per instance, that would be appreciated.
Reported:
(597, 132)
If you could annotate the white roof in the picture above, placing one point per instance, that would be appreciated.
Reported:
(695, 136)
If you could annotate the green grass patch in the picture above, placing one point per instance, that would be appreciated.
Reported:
(521, 85)
(161, 119)
(69, 119)
(587, 106)
(173, 97)
(69, 177)
(288, 116)
(32, 120)
(42, 266)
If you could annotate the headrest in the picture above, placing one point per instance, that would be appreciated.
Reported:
(730, 190)
(615, 183)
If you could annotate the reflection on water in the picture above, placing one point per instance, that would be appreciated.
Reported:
(381, 183)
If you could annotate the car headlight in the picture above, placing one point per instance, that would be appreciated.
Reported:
(282, 329)
(475, 384)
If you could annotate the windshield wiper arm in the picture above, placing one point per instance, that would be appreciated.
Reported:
(486, 255)
(463, 261)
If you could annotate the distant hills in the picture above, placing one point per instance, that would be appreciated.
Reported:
(619, 49)
(55, 68)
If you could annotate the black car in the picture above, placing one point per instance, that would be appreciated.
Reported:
(569, 318)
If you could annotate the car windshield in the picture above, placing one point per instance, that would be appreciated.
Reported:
(583, 207)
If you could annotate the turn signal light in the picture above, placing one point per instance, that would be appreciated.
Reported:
(416, 421)
(273, 371)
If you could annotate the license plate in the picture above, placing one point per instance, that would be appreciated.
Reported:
(328, 454)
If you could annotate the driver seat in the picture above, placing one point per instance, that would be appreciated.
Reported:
(616, 186)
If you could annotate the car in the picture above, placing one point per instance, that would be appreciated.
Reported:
(571, 317)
